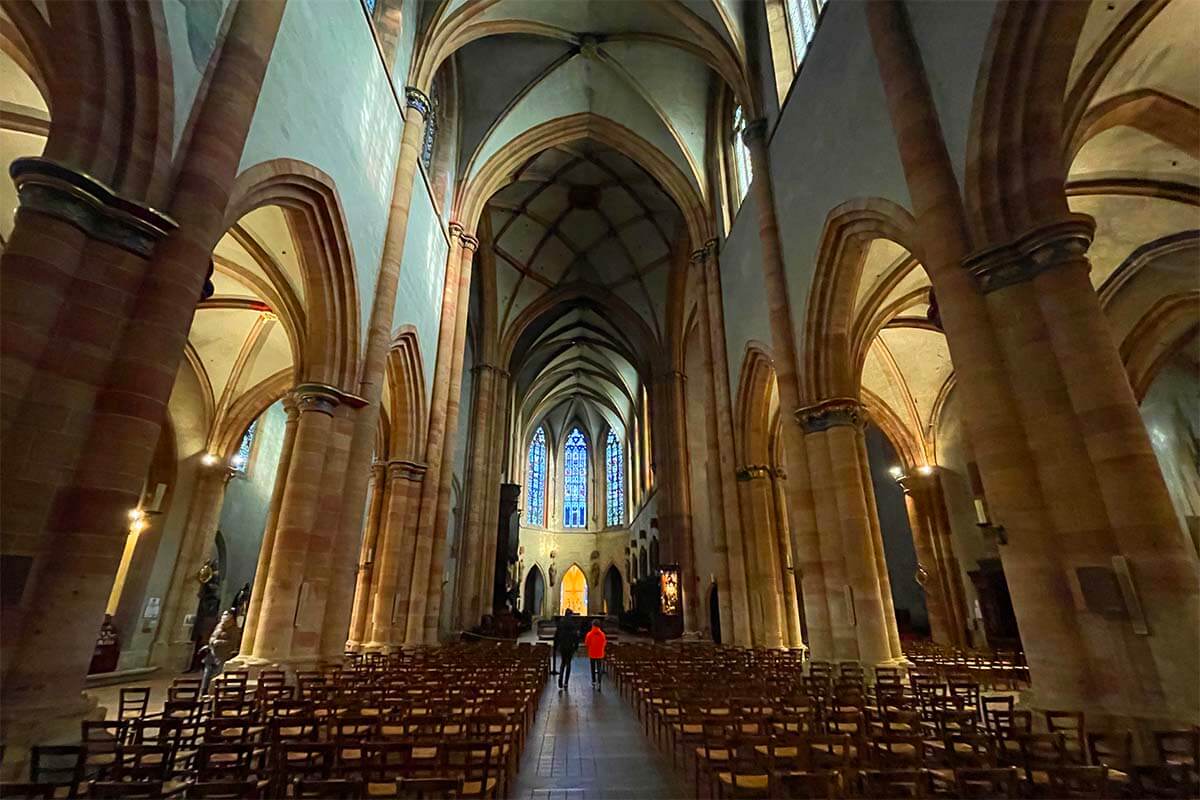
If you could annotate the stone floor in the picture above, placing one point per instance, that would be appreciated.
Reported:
(588, 745)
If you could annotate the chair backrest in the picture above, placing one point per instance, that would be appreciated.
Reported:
(133, 703)
(124, 789)
(812, 785)
(1113, 750)
(223, 790)
(57, 764)
(1075, 781)
(893, 783)
(987, 784)
(1178, 748)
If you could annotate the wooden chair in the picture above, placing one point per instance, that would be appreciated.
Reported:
(223, 790)
(334, 789)
(133, 703)
(112, 790)
(28, 791)
(987, 784)
(1070, 725)
(59, 766)
(101, 740)
(472, 763)
(1077, 782)
(810, 785)
(892, 784)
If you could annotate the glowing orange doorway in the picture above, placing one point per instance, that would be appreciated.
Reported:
(574, 591)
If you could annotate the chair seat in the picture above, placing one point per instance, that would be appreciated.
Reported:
(781, 752)
(477, 787)
(745, 781)
(713, 755)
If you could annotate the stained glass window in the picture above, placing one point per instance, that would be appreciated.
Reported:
(802, 24)
(614, 460)
(575, 476)
(241, 459)
(431, 129)
(370, 6)
(743, 172)
(535, 480)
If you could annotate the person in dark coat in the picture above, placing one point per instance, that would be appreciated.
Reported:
(566, 642)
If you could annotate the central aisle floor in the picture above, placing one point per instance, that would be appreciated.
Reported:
(588, 745)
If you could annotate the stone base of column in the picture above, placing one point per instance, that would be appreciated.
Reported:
(25, 727)
(381, 647)
(255, 665)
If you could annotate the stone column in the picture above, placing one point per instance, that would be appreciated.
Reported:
(441, 526)
(830, 591)
(937, 574)
(269, 529)
(787, 569)
(724, 512)
(119, 406)
(1063, 456)
(675, 509)
(762, 557)
(491, 512)
(1110, 509)
(801, 510)
(286, 597)
(838, 425)
(173, 642)
(366, 560)
(338, 611)
(435, 449)
(479, 479)
(394, 556)
(885, 580)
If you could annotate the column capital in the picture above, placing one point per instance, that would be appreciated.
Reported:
(705, 252)
(753, 472)
(755, 131)
(486, 367)
(378, 470)
(290, 407)
(400, 469)
(1045, 247)
(56, 190)
(415, 98)
(831, 413)
(317, 397)
(468, 242)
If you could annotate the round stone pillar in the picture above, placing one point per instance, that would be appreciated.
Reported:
(762, 555)
(288, 603)
(377, 492)
(394, 556)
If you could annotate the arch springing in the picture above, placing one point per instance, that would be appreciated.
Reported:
(614, 459)
(535, 480)
(575, 477)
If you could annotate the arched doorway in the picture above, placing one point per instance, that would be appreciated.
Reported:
(535, 592)
(614, 591)
(574, 591)
(714, 614)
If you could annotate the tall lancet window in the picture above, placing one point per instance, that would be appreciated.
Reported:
(614, 460)
(575, 477)
(743, 171)
(241, 459)
(535, 480)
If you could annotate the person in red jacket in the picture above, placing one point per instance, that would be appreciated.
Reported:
(595, 642)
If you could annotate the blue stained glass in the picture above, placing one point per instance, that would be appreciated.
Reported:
(370, 5)
(241, 459)
(535, 480)
(575, 475)
(615, 473)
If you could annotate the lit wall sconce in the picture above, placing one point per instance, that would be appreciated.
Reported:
(209, 460)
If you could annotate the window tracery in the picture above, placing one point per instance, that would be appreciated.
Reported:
(575, 475)
(614, 459)
(535, 480)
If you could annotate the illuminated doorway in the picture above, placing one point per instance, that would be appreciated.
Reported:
(574, 591)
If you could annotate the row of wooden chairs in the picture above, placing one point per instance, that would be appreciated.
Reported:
(449, 722)
(770, 720)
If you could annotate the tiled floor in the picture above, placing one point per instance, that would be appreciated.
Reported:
(588, 745)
